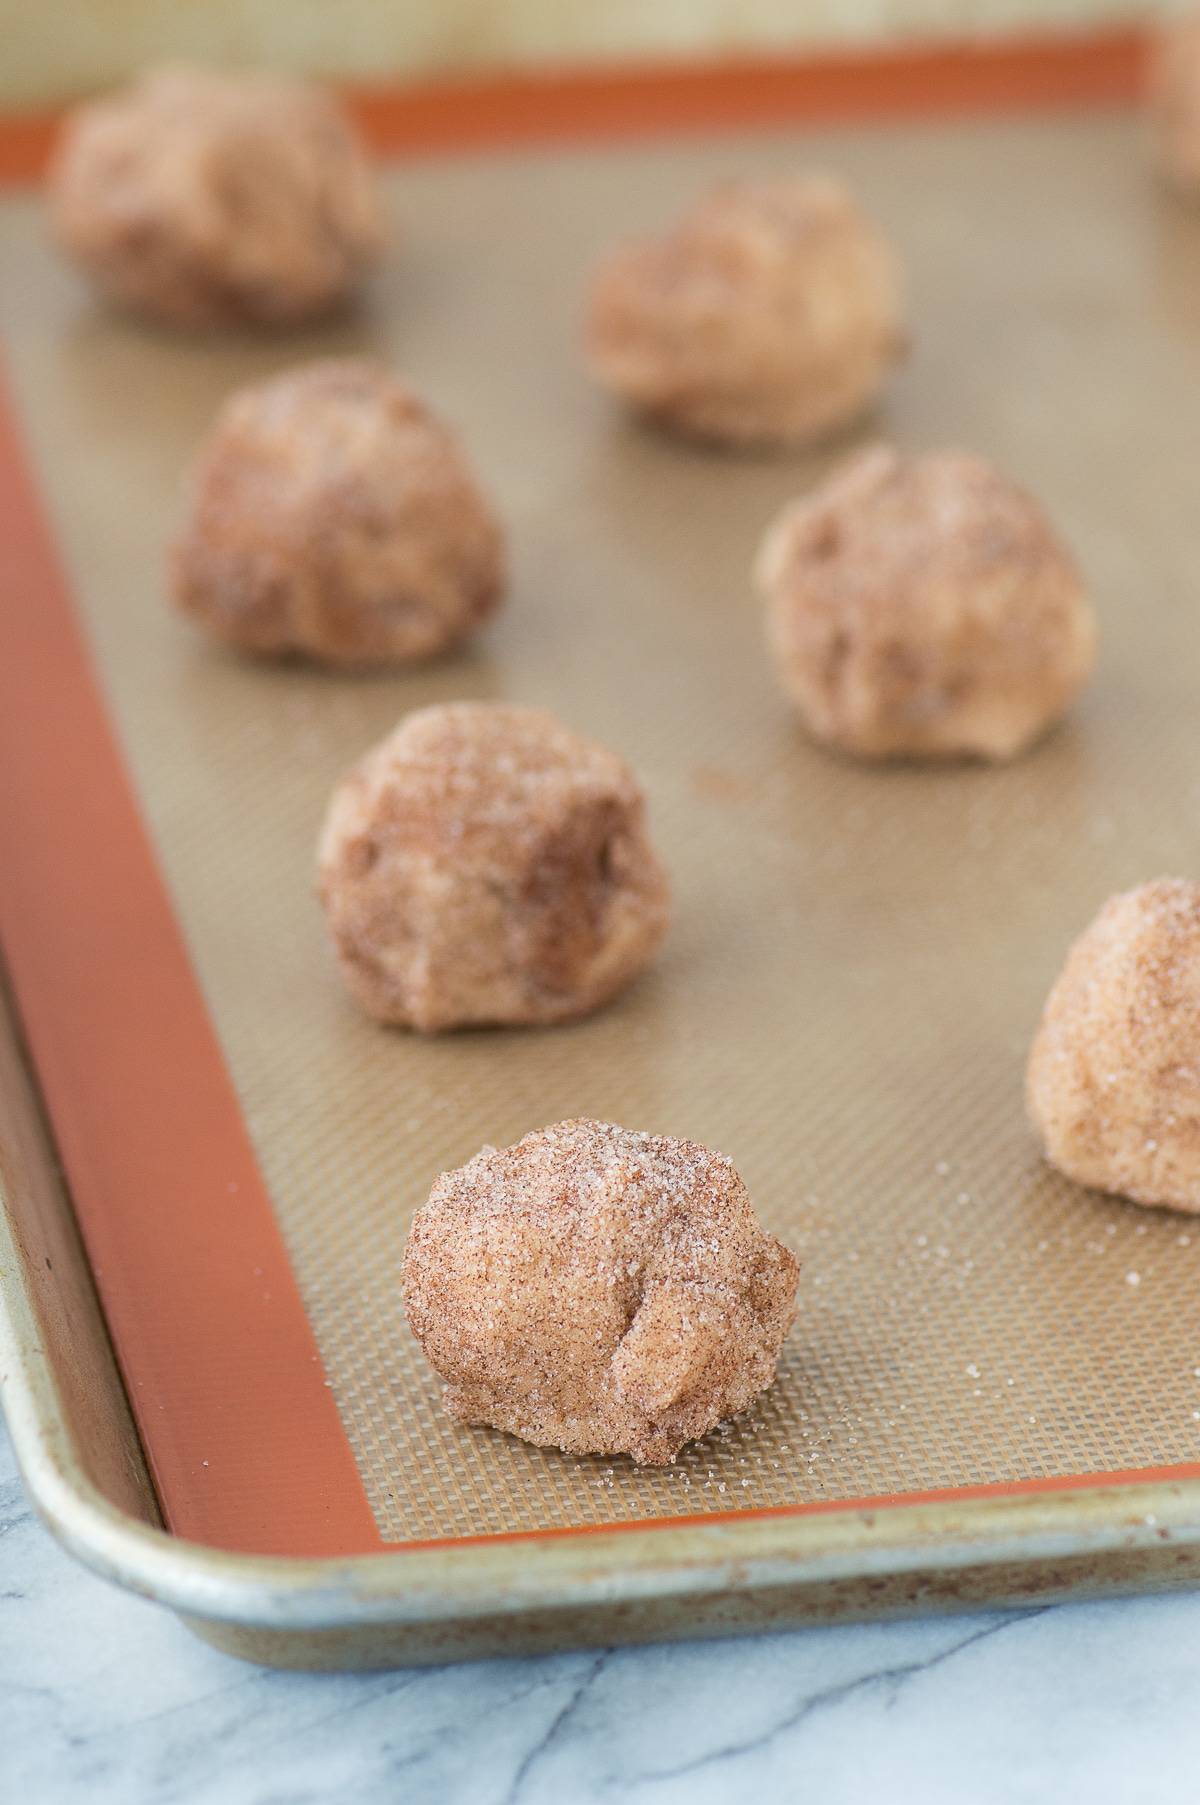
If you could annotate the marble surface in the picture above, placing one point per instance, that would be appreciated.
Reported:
(107, 1699)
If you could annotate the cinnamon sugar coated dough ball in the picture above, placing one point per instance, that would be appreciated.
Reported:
(598, 1291)
(1113, 1084)
(924, 608)
(772, 312)
(486, 865)
(203, 199)
(1175, 102)
(332, 515)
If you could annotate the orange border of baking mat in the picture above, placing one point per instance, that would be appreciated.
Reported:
(189, 1262)
(1094, 69)
(204, 1313)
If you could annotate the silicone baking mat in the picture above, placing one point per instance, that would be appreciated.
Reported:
(860, 954)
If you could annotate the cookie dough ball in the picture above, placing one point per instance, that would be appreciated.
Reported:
(205, 199)
(598, 1291)
(486, 865)
(772, 312)
(332, 515)
(1113, 1084)
(923, 608)
(1175, 102)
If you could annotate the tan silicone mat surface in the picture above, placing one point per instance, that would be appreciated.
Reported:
(860, 954)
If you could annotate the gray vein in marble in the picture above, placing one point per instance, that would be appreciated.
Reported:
(891, 1679)
(557, 1726)
(107, 1700)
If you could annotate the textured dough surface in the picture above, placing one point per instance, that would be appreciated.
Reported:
(331, 514)
(202, 199)
(772, 312)
(1113, 1083)
(485, 865)
(599, 1291)
(924, 608)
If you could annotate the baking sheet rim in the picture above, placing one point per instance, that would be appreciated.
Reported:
(815, 84)
(431, 1581)
(426, 1584)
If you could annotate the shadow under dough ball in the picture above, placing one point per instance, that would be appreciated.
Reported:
(1113, 1084)
(485, 865)
(203, 199)
(598, 1291)
(1174, 103)
(924, 608)
(332, 515)
(772, 313)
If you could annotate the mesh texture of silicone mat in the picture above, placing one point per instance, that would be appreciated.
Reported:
(860, 955)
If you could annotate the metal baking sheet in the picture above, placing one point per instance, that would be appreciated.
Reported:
(860, 954)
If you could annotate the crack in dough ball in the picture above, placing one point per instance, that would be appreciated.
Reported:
(332, 515)
(598, 1291)
(484, 865)
(1175, 102)
(204, 199)
(1113, 1084)
(772, 312)
(923, 608)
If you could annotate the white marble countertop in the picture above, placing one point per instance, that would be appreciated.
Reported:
(107, 1699)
